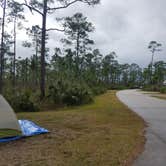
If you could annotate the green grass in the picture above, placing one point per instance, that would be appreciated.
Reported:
(8, 133)
(104, 133)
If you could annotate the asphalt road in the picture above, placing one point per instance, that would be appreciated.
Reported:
(153, 111)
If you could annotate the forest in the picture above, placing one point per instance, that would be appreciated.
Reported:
(75, 72)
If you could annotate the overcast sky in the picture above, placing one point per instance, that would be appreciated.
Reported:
(123, 26)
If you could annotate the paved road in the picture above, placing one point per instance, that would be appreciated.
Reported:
(153, 111)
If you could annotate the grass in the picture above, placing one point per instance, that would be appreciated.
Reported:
(160, 96)
(8, 133)
(104, 133)
(156, 95)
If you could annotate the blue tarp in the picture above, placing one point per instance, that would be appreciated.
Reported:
(28, 129)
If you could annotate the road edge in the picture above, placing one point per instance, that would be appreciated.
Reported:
(139, 149)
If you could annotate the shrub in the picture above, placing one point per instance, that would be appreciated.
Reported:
(163, 89)
(97, 90)
(21, 102)
(77, 94)
(155, 88)
(118, 87)
(70, 93)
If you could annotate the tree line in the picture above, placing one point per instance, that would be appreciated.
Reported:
(73, 73)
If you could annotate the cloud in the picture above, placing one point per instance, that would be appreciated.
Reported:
(122, 26)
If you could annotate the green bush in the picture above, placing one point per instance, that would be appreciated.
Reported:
(21, 102)
(97, 90)
(117, 87)
(77, 94)
(57, 91)
(70, 93)
(163, 89)
(154, 88)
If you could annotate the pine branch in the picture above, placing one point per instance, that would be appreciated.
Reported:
(31, 8)
(55, 29)
(65, 6)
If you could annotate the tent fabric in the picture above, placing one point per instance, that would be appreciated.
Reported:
(3, 140)
(8, 118)
(28, 129)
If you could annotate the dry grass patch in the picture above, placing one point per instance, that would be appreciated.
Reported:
(160, 97)
(105, 133)
(155, 94)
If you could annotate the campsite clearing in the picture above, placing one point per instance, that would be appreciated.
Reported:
(103, 133)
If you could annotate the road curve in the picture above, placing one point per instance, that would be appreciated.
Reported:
(153, 111)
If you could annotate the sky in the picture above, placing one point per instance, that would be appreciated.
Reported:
(123, 26)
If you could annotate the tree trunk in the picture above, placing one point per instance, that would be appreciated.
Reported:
(14, 55)
(151, 77)
(26, 73)
(77, 53)
(36, 63)
(2, 48)
(42, 79)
